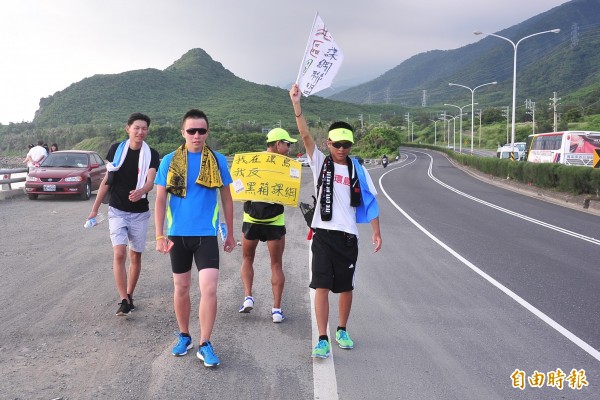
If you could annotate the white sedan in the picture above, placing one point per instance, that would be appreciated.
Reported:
(303, 161)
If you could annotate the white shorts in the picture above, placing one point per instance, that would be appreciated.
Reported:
(128, 228)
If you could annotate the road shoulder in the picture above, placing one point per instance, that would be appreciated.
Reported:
(576, 202)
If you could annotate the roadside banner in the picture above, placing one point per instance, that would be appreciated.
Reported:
(322, 60)
(268, 177)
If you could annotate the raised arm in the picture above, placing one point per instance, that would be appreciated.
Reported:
(307, 139)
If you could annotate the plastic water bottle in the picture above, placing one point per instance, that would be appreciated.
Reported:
(223, 230)
(90, 223)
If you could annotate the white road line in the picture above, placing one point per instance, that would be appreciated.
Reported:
(510, 212)
(324, 380)
(555, 325)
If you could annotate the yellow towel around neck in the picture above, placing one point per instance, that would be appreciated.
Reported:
(209, 175)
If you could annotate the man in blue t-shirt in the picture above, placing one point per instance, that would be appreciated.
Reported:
(188, 183)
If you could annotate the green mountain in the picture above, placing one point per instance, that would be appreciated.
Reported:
(193, 81)
(91, 113)
(565, 63)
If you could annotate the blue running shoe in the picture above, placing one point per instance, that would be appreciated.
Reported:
(207, 354)
(322, 349)
(343, 339)
(183, 345)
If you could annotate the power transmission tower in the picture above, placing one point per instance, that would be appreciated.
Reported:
(387, 95)
(574, 35)
(530, 105)
(407, 119)
(554, 102)
(424, 101)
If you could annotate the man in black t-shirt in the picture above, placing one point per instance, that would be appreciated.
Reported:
(132, 169)
(265, 222)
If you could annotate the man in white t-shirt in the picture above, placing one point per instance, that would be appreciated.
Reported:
(345, 197)
(36, 155)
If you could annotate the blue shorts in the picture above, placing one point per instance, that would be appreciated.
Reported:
(127, 228)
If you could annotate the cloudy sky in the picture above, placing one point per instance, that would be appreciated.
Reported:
(46, 45)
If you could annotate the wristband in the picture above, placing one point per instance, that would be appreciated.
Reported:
(298, 116)
(159, 237)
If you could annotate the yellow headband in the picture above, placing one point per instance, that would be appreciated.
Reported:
(341, 135)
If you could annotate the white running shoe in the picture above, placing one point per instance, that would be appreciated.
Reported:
(277, 316)
(248, 305)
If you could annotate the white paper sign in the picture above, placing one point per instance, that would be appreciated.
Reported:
(322, 60)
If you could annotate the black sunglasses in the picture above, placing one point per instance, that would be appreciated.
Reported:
(344, 145)
(193, 131)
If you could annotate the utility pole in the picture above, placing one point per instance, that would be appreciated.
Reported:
(507, 115)
(444, 127)
(554, 102)
(479, 115)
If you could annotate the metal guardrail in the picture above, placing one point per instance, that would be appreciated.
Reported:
(6, 180)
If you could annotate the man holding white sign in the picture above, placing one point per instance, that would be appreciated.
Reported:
(265, 222)
(346, 197)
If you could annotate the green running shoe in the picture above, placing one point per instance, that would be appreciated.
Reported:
(322, 349)
(343, 339)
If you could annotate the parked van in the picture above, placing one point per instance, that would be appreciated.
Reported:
(519, 150)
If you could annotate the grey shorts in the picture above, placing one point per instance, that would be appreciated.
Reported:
(128, 228)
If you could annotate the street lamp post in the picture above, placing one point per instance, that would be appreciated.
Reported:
(447, 117)
(472, 104)
(435, 121)
(461, 114)
(514, 94)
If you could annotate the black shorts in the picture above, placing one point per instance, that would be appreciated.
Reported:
(262, 232)
(333, 260)
(204, 250)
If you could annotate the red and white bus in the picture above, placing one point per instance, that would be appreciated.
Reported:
(568, 147)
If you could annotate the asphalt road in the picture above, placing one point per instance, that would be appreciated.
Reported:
(469, 292)
(461, 295)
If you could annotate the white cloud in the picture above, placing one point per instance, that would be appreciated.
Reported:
(48, 45)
